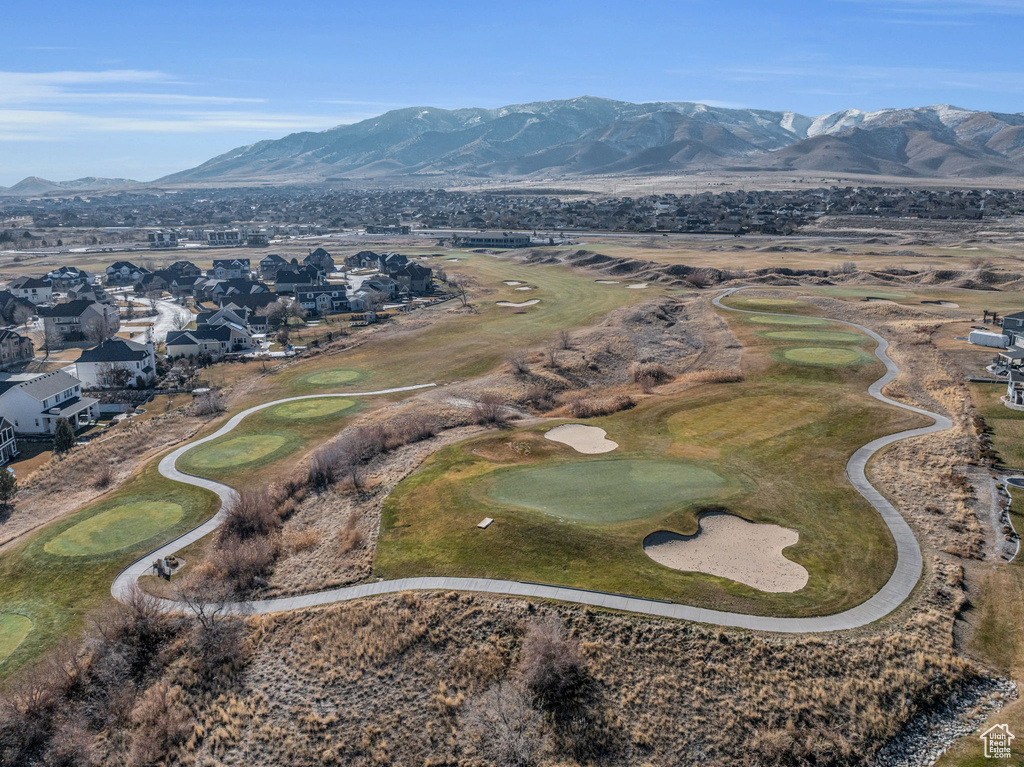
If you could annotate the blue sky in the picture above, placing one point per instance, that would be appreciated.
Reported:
(139, 90)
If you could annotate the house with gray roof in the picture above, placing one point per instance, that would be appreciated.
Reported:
(117, 363)
(34, 403)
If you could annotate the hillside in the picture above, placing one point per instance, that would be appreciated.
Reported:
(33, 185)
(589, 135)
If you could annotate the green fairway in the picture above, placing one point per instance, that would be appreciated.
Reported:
(822, 336)
(233, 451)
(605, 491)
(823, 356)
(860, 292)
(13, 629)
(789, 319)
(331, 377)
(309, 408)
(768, 303)
(116, 528)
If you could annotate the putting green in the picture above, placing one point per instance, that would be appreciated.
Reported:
(606, 491)
(310, 408)
(234, 451)
(860, 292)
(787, 319)
(822, 336)
(13, 629)
(768, 302)
(115, 529)
(825, 356)
(332, 377)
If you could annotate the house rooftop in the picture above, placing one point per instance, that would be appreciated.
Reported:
(115, 350)
(41, 386)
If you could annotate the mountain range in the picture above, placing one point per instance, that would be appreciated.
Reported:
(590, 135)
(33, 185)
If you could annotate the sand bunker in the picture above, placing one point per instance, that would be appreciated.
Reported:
(607, 282)
(525, 287)
(730, 547)
(947, 304)
(513, 282)
(637, 286)
(582, 439)
(521, 304)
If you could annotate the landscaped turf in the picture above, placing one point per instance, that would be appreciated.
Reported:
(309, 408)
(13, 629)
(331, 377)
(821, 336)
(790, 319)
(606, 491)
(235, 451)
(823, 356)
(116, 528)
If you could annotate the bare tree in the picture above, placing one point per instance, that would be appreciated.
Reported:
(52, 340)
(518, 361)
(114, 375)
(564, 340)
(551, 665)
(181, 320)
(490, 409)
(505, 728)
(20, 315)
(98, 329)
(552, 354)
(460, 285)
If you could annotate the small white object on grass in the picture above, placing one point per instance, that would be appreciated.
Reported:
(486, 523)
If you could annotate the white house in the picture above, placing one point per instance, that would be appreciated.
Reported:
(125, 273)
(8, 445)
(118, 363)
(215, 340)
(32, 289)
(34, 403)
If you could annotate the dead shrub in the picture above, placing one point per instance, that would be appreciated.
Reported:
(551, 665)
(243, 565)
(648, 374)
(254, 514)
(591, 407)
(489, 410)
(540, 397)
(104, 476)
(349, 536)
(209, 403)
(505, 728)
(518, 361)
(564, 340)
(298, 541)
(712, 376)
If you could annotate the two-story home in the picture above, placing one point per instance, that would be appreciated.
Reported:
(270, 264)
(184, 269)
(125, 273)
(320, 260)
(68, 276)
(33, 289)
(74, 319)
(34, 404)
(323, 299)
(288, 282)
(230, 269)
(117, 363)
(413, 276)
(14, 349)
(14, 310)
(214, 340)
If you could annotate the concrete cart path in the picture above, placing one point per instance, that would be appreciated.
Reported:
(899, 586)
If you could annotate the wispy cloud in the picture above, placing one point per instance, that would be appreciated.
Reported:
(950, 7)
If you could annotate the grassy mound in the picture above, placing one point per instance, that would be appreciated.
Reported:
(13, 629)
(789, 319)
(116, 528)
(331, 377)
(768, 303)
(309, 408)
(236, 451)
(822, 336)
(605, 491)
(824, 356)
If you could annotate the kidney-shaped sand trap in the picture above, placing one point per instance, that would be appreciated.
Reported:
(730, 547)
(521, 304)
(582, 439)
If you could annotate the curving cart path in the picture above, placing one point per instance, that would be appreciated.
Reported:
(899, 586)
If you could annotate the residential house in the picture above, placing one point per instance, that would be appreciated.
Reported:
(366, 299)
(14, 349)
(270, 264)
(154, 282)
(34, 404)
(1013, 324)
(1015, 390)
(248, 305)
(383, 284)
(68, 276)
(287, 282)
(217, 288)
(75, 319)
(8, 445)
(89, 293)
(364, 259)
(117, 363)
(323, 299)
(321, 260)
(494, 240)
(33, 289)
(125, 273)
(388, 262)
(184, 285)
(14, 310)
(184, 269)
(230, 269)
(416, 278)
(214, 340)
(219, 317)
